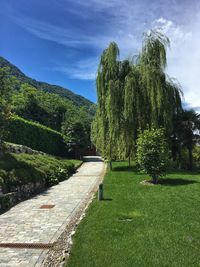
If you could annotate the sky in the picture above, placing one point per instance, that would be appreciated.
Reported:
(60, 41)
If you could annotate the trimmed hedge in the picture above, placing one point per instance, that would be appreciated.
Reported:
(35, 136)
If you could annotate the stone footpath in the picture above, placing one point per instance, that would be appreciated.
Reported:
(29, 230)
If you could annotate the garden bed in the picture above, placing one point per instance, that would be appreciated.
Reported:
(24, 175)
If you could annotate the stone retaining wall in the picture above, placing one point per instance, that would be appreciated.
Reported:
(18, 149)
(19, 193)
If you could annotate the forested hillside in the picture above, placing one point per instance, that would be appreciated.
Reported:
(55, 89)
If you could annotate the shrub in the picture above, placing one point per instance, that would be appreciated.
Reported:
(152, 153)
(35, 136)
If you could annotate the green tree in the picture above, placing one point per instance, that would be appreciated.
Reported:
(152, 153)
(25, 103)
(196, 155)
(190, 122)
(76, 139)
(185, 134)
(107, 122)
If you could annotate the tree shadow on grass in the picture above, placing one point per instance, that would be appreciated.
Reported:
(184, 172)
(107, 199)
(125, 169)
(176, 182)
(92, 159)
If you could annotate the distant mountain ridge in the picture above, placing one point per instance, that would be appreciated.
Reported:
(46, 87)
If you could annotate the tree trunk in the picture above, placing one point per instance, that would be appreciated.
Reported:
(190, 158)
(1, 154)
(110, 159)
(129, 161)
(154, 179)
(179, 158)
(174, 153)
(110, 163)
(1, 149)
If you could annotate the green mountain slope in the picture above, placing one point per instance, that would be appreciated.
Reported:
(55, 89)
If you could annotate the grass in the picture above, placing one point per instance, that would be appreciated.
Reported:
(141, 225)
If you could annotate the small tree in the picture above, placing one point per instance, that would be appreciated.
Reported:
(152, 153)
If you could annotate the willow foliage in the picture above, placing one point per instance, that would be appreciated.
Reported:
(163, 94)
(106, 124)
(133, 96)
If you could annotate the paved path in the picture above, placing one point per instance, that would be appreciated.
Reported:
(28, 223)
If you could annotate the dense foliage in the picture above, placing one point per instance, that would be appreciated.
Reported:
(76, 139)
(6, 84)
(152, 153)
(48, 109)
(185, 135)
(35, 136)
(196, 156)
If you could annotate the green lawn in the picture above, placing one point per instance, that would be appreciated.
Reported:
(139, 225)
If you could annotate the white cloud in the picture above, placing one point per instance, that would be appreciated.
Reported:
(174, 32)
(82, 70)
(184, 57)
(99, 4)
(59, 34)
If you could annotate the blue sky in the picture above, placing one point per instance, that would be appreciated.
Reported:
(60, 41)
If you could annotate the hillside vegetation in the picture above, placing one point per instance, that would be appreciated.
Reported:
(54, 89)
(20, 169)
(59, 109)
(35, 136)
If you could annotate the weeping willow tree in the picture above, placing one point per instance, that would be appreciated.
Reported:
(131, 106)
(133, 96)
(164, 96)
(106, 126)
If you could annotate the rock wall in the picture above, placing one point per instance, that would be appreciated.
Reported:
(18, 149)
(19, 193)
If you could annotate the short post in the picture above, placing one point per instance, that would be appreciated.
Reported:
(100, 192)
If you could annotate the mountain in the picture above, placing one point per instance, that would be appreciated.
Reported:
(78, 100)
